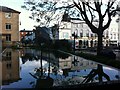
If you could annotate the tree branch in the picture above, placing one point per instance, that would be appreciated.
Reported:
(108, 23)
(108, 8)
(90, 6)
(91, 14)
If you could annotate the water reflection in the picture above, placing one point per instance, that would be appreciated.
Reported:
(42, 80)
(29, 68)
(99, 71)
(10, 67)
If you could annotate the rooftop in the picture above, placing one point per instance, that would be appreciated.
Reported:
(6, 9)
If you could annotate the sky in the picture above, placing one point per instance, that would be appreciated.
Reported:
(26, 23)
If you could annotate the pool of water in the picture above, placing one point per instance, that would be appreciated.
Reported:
(29, 68)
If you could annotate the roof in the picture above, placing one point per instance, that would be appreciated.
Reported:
(75, 19)
(66, 17)
(6, 9)
(26, 30)
(44, 31)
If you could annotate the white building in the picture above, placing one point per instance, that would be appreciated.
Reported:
(65, 30)
(119, 26)
(85, 37)
(119, 31)
(113, 32)
(70, 26)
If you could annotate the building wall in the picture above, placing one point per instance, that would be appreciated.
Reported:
(23, 33)
(119, 32)
(119, 26)
(113, 31)
(65, 30)
(111, 36)
(81, 30)
(13, 20)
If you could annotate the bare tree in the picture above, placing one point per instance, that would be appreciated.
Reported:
(47, 11)
(100, 10)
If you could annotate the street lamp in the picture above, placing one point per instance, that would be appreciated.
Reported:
(75, 36)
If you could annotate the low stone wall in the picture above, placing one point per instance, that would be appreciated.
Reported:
(109, 84)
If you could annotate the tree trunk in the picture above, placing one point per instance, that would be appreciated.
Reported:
(100, 45)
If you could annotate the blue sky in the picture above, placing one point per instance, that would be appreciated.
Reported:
(26, 23)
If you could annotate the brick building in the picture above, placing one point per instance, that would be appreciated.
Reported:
(9, 25)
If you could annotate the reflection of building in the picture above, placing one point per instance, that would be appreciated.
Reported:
(0, 69)
(9, 20)
(81, 64)
(65, 63)
(27, 54)
(73, 63)
(10, 66)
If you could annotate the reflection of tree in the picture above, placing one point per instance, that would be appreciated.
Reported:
(99, 71)
(27, 56)
(75, 62)
(61, 55)
(117, 77)
(66, 71)
(55, 70)
(43, 81)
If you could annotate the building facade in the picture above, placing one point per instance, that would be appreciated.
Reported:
(9, 28)
(85, 37)
(113, 32)
(119, 26)
(26, 34)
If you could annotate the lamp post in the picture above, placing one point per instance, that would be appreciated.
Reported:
(75, 36)
(74, 41)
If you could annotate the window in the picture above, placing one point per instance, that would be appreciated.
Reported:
(8, 65)
(82, 25)
(8, 15)
(114, 36)
(8, 37)
(8, 55)
(87, 34)
(81, 34)
(76, 25)
(65, 64)
(111, 35)
(95, 35)
(91, 35)
(65, 35)
(8, 26)
(118, 36)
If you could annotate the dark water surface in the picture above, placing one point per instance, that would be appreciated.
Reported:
(29, 68)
